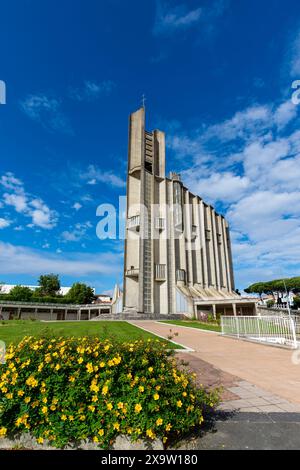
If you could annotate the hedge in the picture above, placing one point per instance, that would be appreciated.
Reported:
(67, 390)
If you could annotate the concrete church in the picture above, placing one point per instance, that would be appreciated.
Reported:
(177, 256)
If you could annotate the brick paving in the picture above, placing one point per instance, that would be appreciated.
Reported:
(255, 378)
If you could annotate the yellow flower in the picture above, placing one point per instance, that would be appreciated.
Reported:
(94, 388)
(158, 387)
(184, 394)
(102, 364)
(52, 407)
(82, 418)
(55, 401)
(89, 367)
(20, 393)
(150, 369)
(91, 408)
(31, 382)
(9, 396)
(57, 367)
(40, 440)
(159, 422)
(44, 410)
(141, 388)
(95, 439)
(120, 405)
(94, 398)
(179, 403)
(104, 390)
(3, 431)
(165, 439)
(71, 378)
(80, 360)
(63, 417)
(44, 400)
(109, 406)
(71, 418)
(27, 399)
(150, 433)
(168, 427)
(201, 420)
(116, 426)
(101, 432)
(138, 408)
(156, 396)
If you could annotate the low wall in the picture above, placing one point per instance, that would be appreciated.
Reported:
(275, 311)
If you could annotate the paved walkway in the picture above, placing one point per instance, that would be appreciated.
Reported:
(256, 378)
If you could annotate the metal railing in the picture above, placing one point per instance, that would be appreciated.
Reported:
(280, 330)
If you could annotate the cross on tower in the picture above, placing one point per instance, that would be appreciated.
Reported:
(143, 100)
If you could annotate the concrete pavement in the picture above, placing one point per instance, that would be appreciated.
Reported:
(257, 378)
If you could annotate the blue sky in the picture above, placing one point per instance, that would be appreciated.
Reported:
(217, 76)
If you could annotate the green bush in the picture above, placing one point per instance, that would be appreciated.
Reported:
(65, 390)
(296, 302)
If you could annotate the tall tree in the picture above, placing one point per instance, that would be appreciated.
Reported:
(80, 293)
(49, 284)
(21, 293)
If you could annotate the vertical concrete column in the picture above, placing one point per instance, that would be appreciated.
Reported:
(222, 252)
(226, 256)
(211, 247)
(188, 238)
(89, 314)
(214, 311)
(215, 248)
(203, 242)
(171, 280)
(197, 243)
(234, 309)
(182, 247)
(79, 314)
(51, 314)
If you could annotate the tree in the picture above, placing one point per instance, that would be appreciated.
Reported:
(80, 293)
(21, 293)
(49, 284)
(297, 302)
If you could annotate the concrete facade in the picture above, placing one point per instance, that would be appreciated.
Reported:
(177, 248)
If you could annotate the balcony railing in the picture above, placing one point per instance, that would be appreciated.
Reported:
(180, 275)
(133, 222)
(132, 272)
(160, 223)
(160, 272)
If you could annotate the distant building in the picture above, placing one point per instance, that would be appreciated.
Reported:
(177, 248)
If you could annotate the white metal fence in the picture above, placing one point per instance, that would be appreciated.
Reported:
(281, 330)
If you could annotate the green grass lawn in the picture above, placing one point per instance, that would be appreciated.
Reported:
(13, 331)
(194, 324)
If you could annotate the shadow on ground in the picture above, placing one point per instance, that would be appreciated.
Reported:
(245, 431)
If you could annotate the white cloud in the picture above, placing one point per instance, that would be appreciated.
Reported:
(77, 233)
(170, 19)
(22, 260)
(25, 203)
(95, 175)
(91, 90)
(77, 206)
(4, 223)
(218, 186)
(47, 111)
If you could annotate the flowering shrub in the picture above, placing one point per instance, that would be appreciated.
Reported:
(66, 390)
